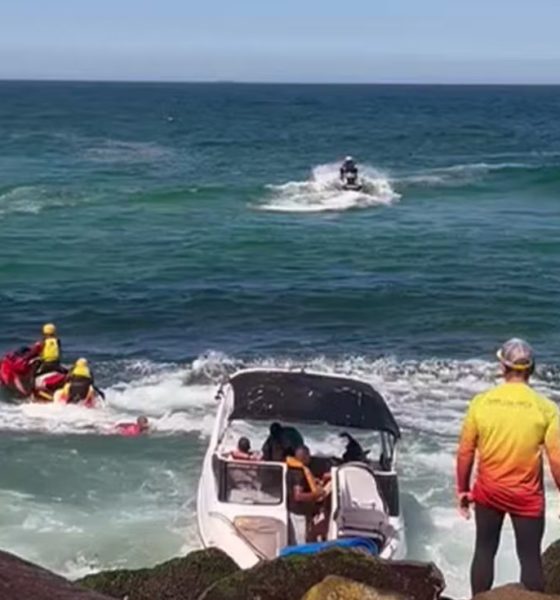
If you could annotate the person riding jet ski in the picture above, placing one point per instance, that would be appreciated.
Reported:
(47, 351)
(348, 170)
(79, 387)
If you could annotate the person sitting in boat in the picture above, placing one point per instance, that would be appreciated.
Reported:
(243, 450)
(348, 168)
(141, 426)
(281, 442)
(304, 495)
(79, 387)
(354, 451)
(47, 351)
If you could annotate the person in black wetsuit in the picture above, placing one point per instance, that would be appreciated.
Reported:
(348, 169)
(281, 442)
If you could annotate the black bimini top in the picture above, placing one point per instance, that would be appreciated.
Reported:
(309, 398)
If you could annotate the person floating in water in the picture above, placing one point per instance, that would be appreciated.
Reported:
(507, 428)
(141, 426)
(348, 169)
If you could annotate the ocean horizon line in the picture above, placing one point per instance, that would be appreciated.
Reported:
(275, 83)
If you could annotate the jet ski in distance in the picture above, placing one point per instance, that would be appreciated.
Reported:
(349, 175)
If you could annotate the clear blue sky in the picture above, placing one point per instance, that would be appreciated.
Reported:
(447, 41)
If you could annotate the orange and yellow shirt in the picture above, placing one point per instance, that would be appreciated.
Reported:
(506, 428)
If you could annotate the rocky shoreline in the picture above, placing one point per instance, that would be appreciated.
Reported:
(211, 575)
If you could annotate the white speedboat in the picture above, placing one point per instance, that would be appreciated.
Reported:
(242, 504)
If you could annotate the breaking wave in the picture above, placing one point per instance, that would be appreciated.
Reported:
(428, 397)
(322, 192)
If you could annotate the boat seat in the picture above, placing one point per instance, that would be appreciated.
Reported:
(361, 509)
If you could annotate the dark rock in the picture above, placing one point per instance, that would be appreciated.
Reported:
(291, 577)
(21, 580)
(514, 592)
(551, 565)
(178, 579)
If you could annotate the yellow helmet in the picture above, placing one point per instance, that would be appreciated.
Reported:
(81, 368)
(49, 329)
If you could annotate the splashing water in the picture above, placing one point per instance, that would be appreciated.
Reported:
(323, 192)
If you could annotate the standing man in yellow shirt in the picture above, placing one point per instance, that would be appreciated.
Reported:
(506, 429)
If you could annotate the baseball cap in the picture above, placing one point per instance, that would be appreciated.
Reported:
(516, 354)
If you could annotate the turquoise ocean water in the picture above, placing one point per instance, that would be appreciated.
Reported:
(177, 232)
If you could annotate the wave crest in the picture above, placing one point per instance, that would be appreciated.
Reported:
(428, 397)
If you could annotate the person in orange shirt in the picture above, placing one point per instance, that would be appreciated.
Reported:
(243, 450)
(506, 429)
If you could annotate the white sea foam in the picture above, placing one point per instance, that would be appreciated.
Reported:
(171, 406)
(33, 200)
(457, 175)
(427, 396)
(121, 151)
(106, 530)
(322, 192)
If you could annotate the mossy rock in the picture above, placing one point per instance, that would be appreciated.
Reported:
(22, 580)
(339, 588)
(178, 579)
(289, 578)
(551, 565)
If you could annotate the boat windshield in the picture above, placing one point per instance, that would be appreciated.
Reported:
(251, 483)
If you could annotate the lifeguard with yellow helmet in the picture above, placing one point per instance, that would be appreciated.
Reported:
(79, 387)
(48, 351)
